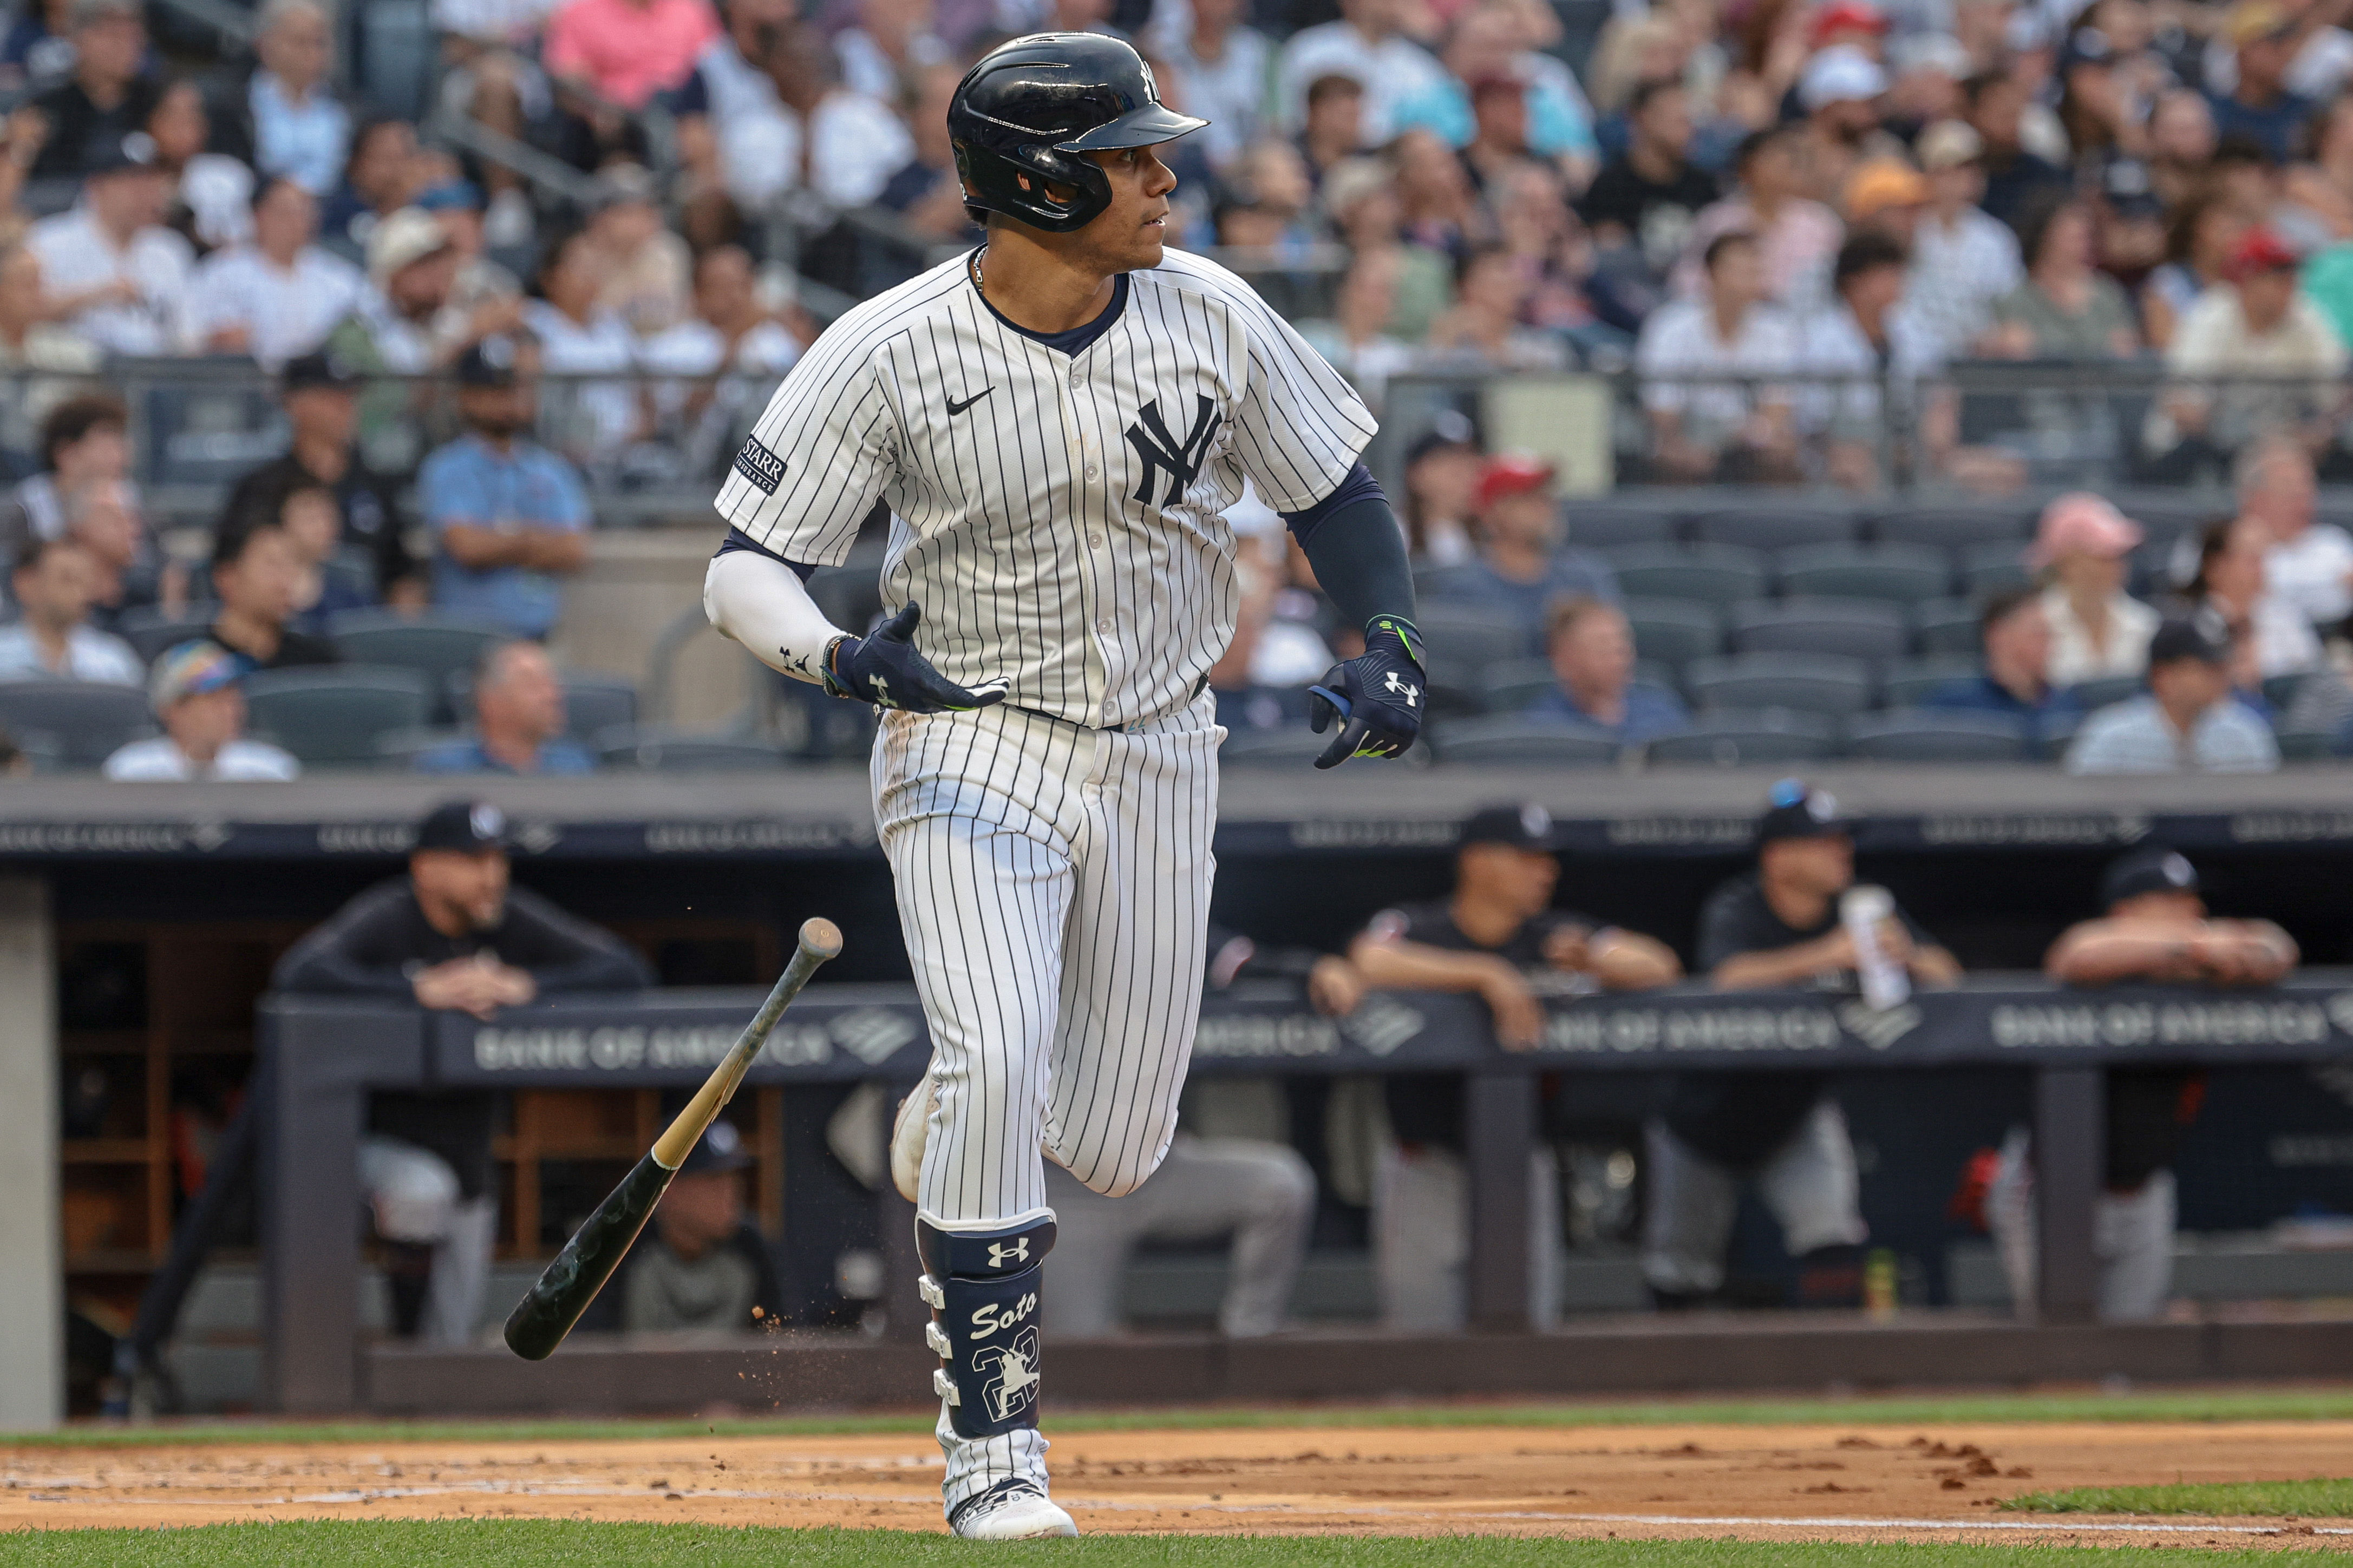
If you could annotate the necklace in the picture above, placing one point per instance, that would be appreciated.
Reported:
(979, 279)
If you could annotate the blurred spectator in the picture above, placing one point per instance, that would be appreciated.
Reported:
(301, 129)
(1335, 127)
(197, 698)
(103, 517)
(383, 175)
(2267, 635)
(2081, 551)
(648, 273)
(107, 97)
(320, 393)
(1780, 927)
(2186, 721)
(484, 297)
(1796, 238)
(2319, 189)
(38, 49)
(1885, 196)
(2307, 563)
(577, 335)
(278, 297)
(1483, 329)
(1522, 565)
(891, 41)
(507, 517)
(85, 438)
(1868, 333)
(726, 84)
(1366, 208)
(258, 576)
(1356, 340)
(1223, 62)
(702, 1265)
(1437, 209)
(412, 267)
(2065, 308)
(1925, 72)
(2015, 633)
(110, 266)
(518, 722)
(2258, 326)
(52, 638)
(1592, 653)
(2155, 931)
(627, 50)
(1642, 205)
(1497, 937)
(2264, 34)
(854, 143)
(1839, 90)
(925, 191)
(1735, 430)
(2181, 141)
(1265, 199)
(729, 337)
(453, 934)
(1498, 98)
(1441, 491)
(1366, 44)
(209, 200)
(33, 346)
(330, 581)
(2200, 237)
(2013, 177)
(1962, 260)
(1278, 650)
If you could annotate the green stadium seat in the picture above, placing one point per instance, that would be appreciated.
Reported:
(80, 722)
(1955, 528)
(1808, 683)
(1674, 631)
(1908, 682)
(336, 715)
(1710, 573)
(1730, 738)
(1900, 574)
(1768, 526)
(1853, 628)
(1513, 740)
(1947, 627)
(435, 645)
(1930, 735)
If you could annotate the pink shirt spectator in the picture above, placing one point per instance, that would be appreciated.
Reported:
(628, 49)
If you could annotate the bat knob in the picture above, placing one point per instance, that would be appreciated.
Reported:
(821, 937)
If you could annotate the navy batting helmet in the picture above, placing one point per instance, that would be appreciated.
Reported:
(1036, 106)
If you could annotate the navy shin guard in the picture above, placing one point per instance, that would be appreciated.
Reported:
(983, 1292)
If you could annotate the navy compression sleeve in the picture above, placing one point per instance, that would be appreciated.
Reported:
(1352, 539)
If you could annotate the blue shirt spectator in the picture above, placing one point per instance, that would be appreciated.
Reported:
(301, 129)
(507, 517)
(1522, 568)
(2015, 633)
(2185, 722)
(1592, 653)
(518, 722)
(560, 758)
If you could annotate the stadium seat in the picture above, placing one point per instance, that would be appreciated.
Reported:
(1991, 567)
(1712, 573)
(42, 751)
(334, 715)
(1775, 527)
(1464, 640)
(1955, 528)
(150, 630)
(1947, 625)
(594, 701)
(1511, 739)
(1902, 573)
(1856, 628)
(1928, 735)
(1807, 682)
(1908, 682)
(1674, 631)
(1510, 686)
(85, 720)
(2092, 695)
(2280, 691)
(397, 750)
(2170, 513)
(436, 647)
(1594, 525)
(2296, 745)
(658, 749)
(1728, 740)
(1293, 746)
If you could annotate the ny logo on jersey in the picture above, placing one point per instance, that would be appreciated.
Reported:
(1000, 1254)
(1161, 452)
(1399, 686)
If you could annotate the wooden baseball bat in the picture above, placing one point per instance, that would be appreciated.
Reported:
(543, 1318)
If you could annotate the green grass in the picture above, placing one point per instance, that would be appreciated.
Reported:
(2231, 1404)
(2271, 1500)
(561, 1543)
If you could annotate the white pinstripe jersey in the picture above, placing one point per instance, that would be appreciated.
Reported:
(1060, 519)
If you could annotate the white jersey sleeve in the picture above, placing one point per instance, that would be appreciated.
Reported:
(821, 454)
(1300, 425)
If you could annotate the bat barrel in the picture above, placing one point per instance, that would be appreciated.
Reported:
(564, 1289)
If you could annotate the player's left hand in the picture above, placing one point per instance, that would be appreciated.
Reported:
(888, 670)
(1375, 698)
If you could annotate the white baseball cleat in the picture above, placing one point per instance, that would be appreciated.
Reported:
(1013, 1510)
(908, 1135)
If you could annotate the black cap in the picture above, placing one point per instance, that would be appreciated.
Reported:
(490, 363)
(2129, 189)
(1795, 809)
(2189, 637)
(720, 1149)
(468, 826)
(304, 371)
(2153, 869)
(1525, 826)
(1447, 427)
(116, 153)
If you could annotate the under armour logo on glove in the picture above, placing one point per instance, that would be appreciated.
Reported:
(886, 670)
(1375, 698)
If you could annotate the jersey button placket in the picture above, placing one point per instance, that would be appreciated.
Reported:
(1086, 468)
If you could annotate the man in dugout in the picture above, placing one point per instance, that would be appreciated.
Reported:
(1499, 938)
(2155, 931)
(1777, 927)
(450, 935)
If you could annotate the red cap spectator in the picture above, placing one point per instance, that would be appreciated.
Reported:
(1849, 22)
(2260, 249)
(1512, 474)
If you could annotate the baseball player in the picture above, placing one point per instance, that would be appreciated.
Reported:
(1059, 420)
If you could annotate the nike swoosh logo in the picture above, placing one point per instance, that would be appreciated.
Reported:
(955, 408)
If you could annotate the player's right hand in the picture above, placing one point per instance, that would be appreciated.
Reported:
(886, 670)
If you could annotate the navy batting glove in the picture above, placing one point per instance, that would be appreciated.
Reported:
(1375, 698)
(886, 670)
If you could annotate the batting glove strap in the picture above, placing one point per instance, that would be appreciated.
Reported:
(984, 1294)
(1376, 699)
(888, 670)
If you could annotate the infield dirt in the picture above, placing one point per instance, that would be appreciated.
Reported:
(1810, 1482)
